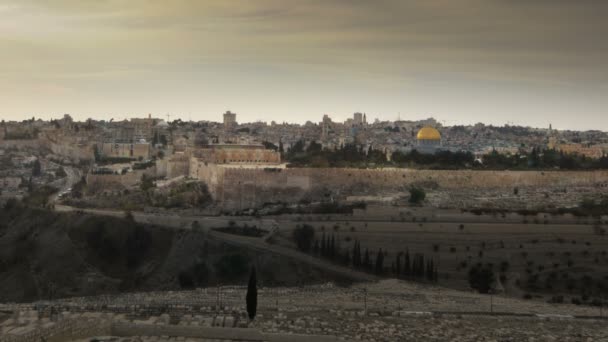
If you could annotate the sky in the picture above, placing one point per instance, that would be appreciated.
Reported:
(524, 62)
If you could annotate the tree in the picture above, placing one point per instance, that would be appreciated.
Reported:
(481, 278)
(357, 255)
(417, 195)
(146, 183)
(252, 295)
(304, 236)
(407, 271)
(366, 262)
(380, 262)
(398, 265)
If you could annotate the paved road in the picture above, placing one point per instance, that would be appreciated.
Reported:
(185, 222)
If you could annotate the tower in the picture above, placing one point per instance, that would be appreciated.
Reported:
(229, 119)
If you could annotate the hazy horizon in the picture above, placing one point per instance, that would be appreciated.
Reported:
(529, 63)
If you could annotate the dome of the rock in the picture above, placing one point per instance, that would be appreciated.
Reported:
(428, 133)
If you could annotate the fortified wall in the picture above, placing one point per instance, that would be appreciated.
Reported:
(173, 166)
(97, 182)
(240, 188)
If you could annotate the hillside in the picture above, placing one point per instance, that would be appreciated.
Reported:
(45, 254)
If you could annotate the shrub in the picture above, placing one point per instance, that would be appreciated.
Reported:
(481, 278)
(417, 195)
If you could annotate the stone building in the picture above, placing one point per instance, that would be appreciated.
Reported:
(126, 150)
(229, 120)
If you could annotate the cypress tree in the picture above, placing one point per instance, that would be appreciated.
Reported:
(398, 265)
(366, 262)
(407, 271)
(356, 260)
(379, 262)
(435, 274)
(252, 295)
(346, 258)
(323, 246)
(421, 266)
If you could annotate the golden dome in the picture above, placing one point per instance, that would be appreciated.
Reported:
(428, 133)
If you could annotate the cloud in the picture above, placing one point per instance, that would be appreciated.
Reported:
(552, 44)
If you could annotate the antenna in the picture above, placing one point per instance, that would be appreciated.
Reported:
(168, 117)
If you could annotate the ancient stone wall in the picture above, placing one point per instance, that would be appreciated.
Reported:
(243, 188)
(174, 166)
(123, 181)
(126, 150)
(75, 153)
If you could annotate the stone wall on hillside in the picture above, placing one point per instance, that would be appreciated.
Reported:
(174, 166)
(244, 188)
(73, 152)
(101, 181)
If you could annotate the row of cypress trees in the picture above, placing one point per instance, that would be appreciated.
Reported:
(404, 265)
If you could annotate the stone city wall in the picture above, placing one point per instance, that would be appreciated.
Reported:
(127, 180)
(64, 150)
(76, 153)
(244, 188)
(174, 166)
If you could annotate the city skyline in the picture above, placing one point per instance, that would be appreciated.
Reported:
(530, 63)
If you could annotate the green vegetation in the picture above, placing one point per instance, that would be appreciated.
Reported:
(417, 196)
(143, 165)
(243, 231)
(350, 155)
(482, 278)
(594, 207)
(147, 183)
(252, 295)
(304, 236)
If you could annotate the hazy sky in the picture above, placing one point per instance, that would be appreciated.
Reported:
(530, 62)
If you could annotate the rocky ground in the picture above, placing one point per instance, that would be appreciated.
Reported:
(396, 311)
